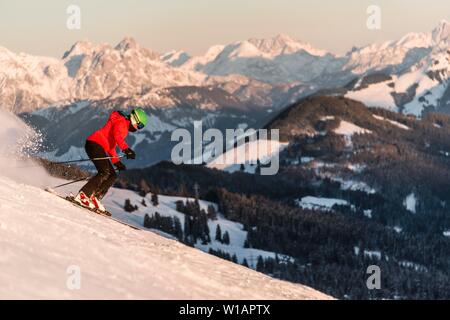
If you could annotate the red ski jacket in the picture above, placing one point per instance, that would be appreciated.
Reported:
(112, 135)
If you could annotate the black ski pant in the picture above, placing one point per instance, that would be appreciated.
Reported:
(106, 175)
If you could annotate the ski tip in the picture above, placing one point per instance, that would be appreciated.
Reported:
(48, 189)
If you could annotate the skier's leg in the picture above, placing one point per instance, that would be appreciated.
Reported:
(103, 189)
(103, 167)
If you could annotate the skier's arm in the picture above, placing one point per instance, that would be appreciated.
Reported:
(113, 154)
(120, 132)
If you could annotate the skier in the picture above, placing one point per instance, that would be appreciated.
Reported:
(102, 144)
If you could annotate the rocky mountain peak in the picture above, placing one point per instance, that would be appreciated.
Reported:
(442, 32)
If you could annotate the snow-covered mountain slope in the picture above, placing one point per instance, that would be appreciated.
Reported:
(422, 87)
(115, 200)
(276, 60)
(410, 75)
(397, 56)
(43, 237)
(316, 203)
(86, 71)
(167, 208)
(246, 156)
(27, 81)
(54, 250)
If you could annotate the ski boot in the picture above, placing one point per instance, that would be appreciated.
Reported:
(83, 200)
(99, 206)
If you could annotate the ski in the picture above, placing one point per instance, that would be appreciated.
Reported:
(100, 213)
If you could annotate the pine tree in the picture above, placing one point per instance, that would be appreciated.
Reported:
(128, 207)
(245, 263)
(226, 238)
(234, 258)
(143, 202)
(258, 167)
(147, 221)
(183, 190)
(180, 206)
(144, 188)
(212, 214)
(187, 231)
(178, 228)
(260, 264)
(155, 200)
(218, 233)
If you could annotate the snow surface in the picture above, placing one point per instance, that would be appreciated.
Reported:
(42, 236)
(317, 203)
(413, 265)
(372, 254)
(248, 154)
(348, 129)
(47, 242)
(395, 123)
(376, 95)
(115, 200)
(410, 203)
(367, 253)
(398, 229)
(354, 185)
(368, 213)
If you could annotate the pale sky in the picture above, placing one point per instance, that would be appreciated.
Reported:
(39, 27)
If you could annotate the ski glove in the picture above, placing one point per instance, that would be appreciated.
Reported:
(120, 166)
(130, 153)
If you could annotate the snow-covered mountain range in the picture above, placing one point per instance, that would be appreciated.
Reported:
(257, 72)
(242, 83)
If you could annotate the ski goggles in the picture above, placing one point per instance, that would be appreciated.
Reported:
(135, 121)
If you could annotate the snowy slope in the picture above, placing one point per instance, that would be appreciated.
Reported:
(423, 85)
(42, 236)
(419, 82)
(319, 203)
(115, 199)
(45, 239)
(248, 155)
(394, 123)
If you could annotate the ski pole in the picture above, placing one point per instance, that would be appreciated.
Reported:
(66, 184)
(84, 160)
(72, 182)
(71, 161)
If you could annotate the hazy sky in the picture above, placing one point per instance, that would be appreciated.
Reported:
(39, 27)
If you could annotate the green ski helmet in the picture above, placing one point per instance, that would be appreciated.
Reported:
(138, 118)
